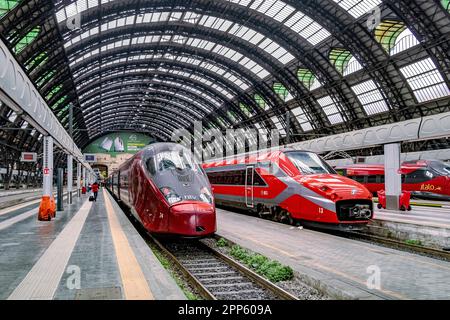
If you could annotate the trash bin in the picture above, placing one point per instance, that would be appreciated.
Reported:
(404, 201)
(381, 199)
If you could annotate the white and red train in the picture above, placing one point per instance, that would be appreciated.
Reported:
(166, 191)
(291, 186)
(424, 178)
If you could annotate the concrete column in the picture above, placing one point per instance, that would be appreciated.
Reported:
(47, 166)
(78, 179)
(84, 177)
(393, 179)
(69, 178)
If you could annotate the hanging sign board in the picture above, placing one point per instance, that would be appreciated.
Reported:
(46, 171)
(91, 158)
(28, 157)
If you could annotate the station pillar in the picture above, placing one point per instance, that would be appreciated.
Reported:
(47, 208)
(78, 179)
(69, 178)
(393, 179)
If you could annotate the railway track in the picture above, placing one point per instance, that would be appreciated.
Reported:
(217, 277)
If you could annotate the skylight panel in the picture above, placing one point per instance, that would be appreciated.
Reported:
(330, 108)
(302, 119)
(278, 125)
(370, 97)
(352, 66)
(357, 8)
(425, 80)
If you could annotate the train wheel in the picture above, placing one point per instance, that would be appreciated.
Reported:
(290, 220)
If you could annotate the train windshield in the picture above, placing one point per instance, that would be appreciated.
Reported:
(441, 167)
(309, 163)
(175, 160)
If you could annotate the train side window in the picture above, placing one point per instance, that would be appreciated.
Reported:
(372, 179)
(360, 179)
(151, 165)
(381, 178)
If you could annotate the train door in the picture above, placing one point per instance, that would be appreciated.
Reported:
(249, 180)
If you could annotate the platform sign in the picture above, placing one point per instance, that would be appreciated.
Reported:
(91, 158)
(28, 157)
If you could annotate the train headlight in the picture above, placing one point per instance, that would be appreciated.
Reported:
(170, 195)
(206, 196)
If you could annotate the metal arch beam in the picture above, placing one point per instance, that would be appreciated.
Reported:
(214, 94)
(430, 22)
(286, 37)
(205, 103)
(278, 71)
(124, 114)
(258, 85)
(130, 95)
(133, 65)
(130, 65)
(364, 46)
(20, 94)
(146, 112)
(204, 73)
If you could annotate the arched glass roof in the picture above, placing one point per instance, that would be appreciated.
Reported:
(332, 65)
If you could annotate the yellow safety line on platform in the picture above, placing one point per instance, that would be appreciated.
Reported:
(135, 285)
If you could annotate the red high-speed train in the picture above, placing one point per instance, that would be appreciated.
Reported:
(166, 191)
(290, 186)
(424, 178)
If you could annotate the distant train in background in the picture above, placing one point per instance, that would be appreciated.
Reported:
(167, 192)
(424, 178)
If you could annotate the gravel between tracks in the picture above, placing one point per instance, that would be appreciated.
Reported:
(295, 286)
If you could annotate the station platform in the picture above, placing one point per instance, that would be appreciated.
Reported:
(429, 224)
(89, 251)
(421, 215)
(339, 266)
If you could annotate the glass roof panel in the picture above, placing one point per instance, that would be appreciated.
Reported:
(302, 119)
(331, 109)
(425, 80)
(370, 97)
(6, 6)
(358, 8)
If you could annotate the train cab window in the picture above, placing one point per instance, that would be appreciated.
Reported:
(419, 176)
(174, 160)
(309, 163)
(151, 165)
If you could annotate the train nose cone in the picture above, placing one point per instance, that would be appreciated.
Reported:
(193, 218)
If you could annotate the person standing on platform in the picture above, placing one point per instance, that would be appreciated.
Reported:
(95, 190)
